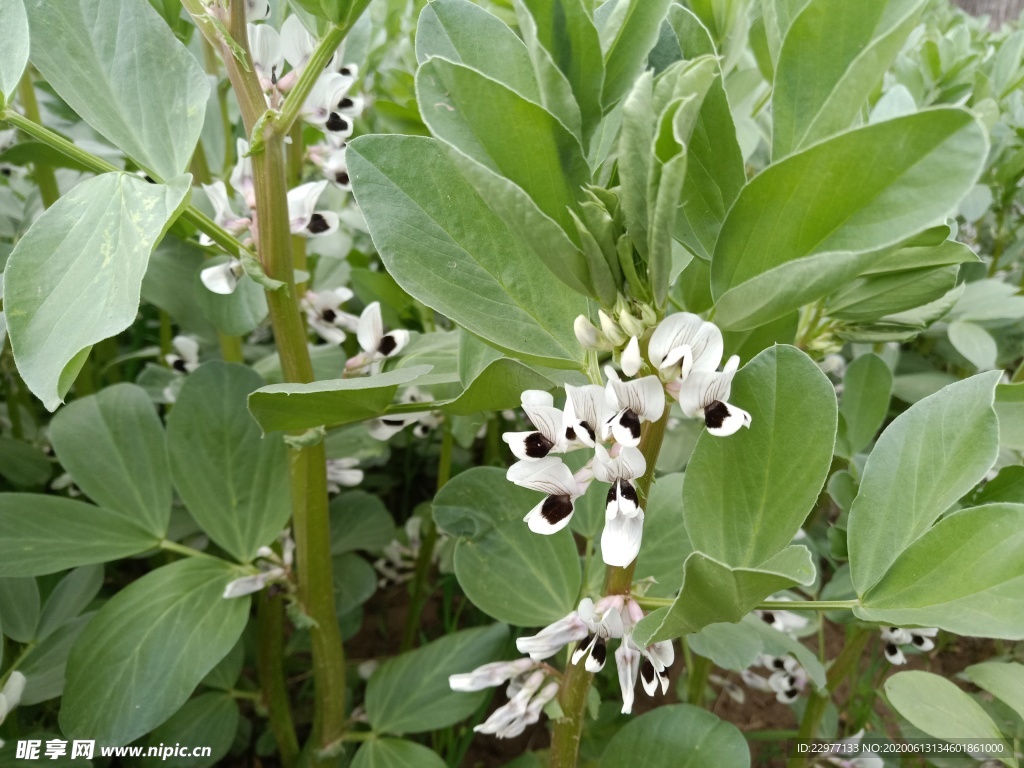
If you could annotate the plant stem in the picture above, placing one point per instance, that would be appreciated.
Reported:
(44, 175)
(270, 658)
(314, 68)
(845, 662)
(697, 679)
(572, 696)
(307, 465)
(767, 605)
(418, 589)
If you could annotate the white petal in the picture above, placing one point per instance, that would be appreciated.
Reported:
(589, 410)
(387, 427)
(703, 339)
(586, 334)
(321, 224)
(627, 662)
(605, 467)
(302, 203)
(257, 10)
(537, 397)
(188, 348)
(265, 44)
(894, 654)
(724, 419)
(620, 540)
(246, 585)
(371, 328)
(632, 463)
(393, 342)
(297, 45)
(13, 689)
(625, 428)
(622, 501)
(222, 278)
(551, 515)
(548, 475)
(630, 359)
(217, 194)
(523, 444)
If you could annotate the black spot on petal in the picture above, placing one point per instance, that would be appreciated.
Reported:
(570, 434)
(387, 345)
(318, 224)
(329, 315)
(778, 663)
(631, 421)
(792, 693)
(647, 670)
(768, 617)
(590, 431)
(600, 651)
(716, 414)
(537, 446)
(556, 508)
(393, 422)
(341, 177)
(336, 123)
(917, 640)
(346, 103)
(345, 71)
(179, 365)
(628, 492)
(890, 649)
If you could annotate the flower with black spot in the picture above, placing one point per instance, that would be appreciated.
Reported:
(185, 357)
(706, 395)
(549, 435)
(894, 637)
(633, 403)
(561, 488)
(624, 519)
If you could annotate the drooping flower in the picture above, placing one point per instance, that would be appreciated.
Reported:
(549, 435)
(273, 568)
(325, 316)
(554, 637)
(706, 395)
(186, 356)
(343, 473)
(223, 214)
(604, 622)
(549, 476)
(490, 675)
(894, 637)
(787, 622)
(624, 519)
(787, 679)
(223, 278)
(303, 217)
(386, 427)
(377, 345)
(633, 403)
(682, 343)
(398, 564)
(526, 701)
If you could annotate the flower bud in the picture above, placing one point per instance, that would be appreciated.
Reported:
(611, 330)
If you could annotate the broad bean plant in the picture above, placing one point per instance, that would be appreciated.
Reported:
(511, 382)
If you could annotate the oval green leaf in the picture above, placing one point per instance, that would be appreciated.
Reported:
(395, 753)
(14, 52)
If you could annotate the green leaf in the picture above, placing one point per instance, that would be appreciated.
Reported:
(677, 736)
(498, 385)
(929, 457)
(939, 708)
(395, 753)
(210, 719)
(666, 543)
(232, 479)
(837, 202)
(132, 80)
(147, 649)
(832, 60)
(23, 464)
(729, 646)
(113, 445)
(44, 664)
(1008, 485)
(1004, 681)
(359, 521)
(975, 343)
(69, 598)
(14, 54)
(486, 512)
(456, 255)
(410, 693)
(965, 575)
(746, 496)
(19, 608)
(1010, 410)
(565, 28)
(234, 314)
(865, 402)
(74, 279)
(626, 41)
(170, 285)
(46, 534)
(714, 592)
(871, 298)
(355, 581)
(334, 402)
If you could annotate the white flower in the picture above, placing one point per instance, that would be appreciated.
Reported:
(588, 336)
(550, 476)
(627, 664)
(297, 46)
(267, 61)
(624, 519)
(7, 138)
(654, 667)
(894, 637)
(303, 218)
(786, 681)
(332, 163)
(630, 360)
(549, 435)
(523, 709)
(490, 675)
(706, 394)
(787, 622)
(272, 568)
(604, 622)
(376, 344)
(330, 107)
(343, 473)
(324, 314)
(242, 179)
(223, 214)
(651, 663)
(611, 329)
(223, 278)
(633, 402)
(586, 413)
(10, 696)
(554, 637)
(682, 343)
(187, 358)
(257, 10)
(385, 427)
(865, 758)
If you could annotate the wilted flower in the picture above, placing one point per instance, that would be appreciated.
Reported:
(273, 568)
(490, 675)
(526, 701)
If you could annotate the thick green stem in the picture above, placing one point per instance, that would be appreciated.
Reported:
(308, 465)
(304, 85)
(845, 662)
(697, 679)
(270, 658)
(652, 603)
(572, 696)
(428, 541)
(44, 175)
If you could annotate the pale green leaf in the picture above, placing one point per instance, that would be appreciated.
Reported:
(626, 41)
(926, 459)
(395, 753)
(1004, 681)
(46, 534)
(975, 343)
(113, 446)
(233, 480)
(867, 385)
(1010, 410)
(75, 278)
(119, 66)
(45, 662)
(666, 545)
(69, 598)
(147, 649)
(359, 521)
(14, 52)
(19, 608)
(210, 719)
(334, 402)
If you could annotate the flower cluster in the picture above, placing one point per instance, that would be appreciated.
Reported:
(398, 564)
(894, 638)
(684, 351)
(786, 678)
(591, 626)
(527, 694)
